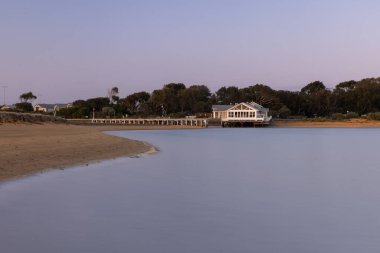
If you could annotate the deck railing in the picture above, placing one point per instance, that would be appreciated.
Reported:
(152, 122)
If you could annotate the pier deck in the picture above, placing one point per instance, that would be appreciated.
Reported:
(153, 122)
(245, 123)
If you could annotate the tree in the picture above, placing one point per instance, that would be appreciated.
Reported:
(108, 111)
(81, 112)
(195, 99)
(261, 94)
(343, 97)
(284, 112)
(346, 86)
(83, 108)
(229, 95)
(316, 98)
(113, 95)
(292, 100)
(26, 97)
(357, 96)
(201, 107)
(175, 98)
(313, 88)
(24, 106)
(137, 102)
(367, 96)
(97, 103)
(167, 99)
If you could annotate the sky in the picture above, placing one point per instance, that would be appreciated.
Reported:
(77, 49)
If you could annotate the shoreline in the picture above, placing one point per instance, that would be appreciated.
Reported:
(28, 149)
(352, 123)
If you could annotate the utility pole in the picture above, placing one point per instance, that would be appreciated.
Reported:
(4, 87)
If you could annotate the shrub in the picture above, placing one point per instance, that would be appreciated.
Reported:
(81, 113)
(109, 111)
(273, 113)
(374, 115)
(24, 106)
(178, 115)
(320, 119)
(337, 116)
(352, 115)
(284, 112)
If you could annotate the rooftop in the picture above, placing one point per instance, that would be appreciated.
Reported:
(226, 107)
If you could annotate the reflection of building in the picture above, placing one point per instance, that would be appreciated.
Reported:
(50, 107)
(241, 114)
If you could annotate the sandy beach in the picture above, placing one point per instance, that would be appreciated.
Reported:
(29, 148)
(353, 123)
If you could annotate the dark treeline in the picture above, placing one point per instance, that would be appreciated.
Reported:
(175, 99)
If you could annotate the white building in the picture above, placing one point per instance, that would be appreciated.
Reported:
(50, 107)
(7, 107)
(241, 114)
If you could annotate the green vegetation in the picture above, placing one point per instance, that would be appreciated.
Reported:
(28, 96)
(352, 115)
(174, 99)
(337, 116)
(374, 116)
(350, 99)
(25, 104)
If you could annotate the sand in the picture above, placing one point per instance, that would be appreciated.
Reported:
(353, 123)
(29, 148)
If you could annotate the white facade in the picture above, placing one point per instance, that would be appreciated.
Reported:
(39, 108)
(50, 107)
(242, 112)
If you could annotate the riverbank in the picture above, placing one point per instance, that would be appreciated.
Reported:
(29, 148)
(352, 123)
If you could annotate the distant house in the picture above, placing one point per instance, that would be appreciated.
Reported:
(7, 107)
(43, 108)
(241, 114)
(50, 107)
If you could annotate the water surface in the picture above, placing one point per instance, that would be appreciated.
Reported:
(210, 190)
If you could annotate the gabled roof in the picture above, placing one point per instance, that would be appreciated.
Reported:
(258, 107)
(252, 105)
(241, 106)
(221, 107)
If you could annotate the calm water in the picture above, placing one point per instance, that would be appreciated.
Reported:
(214, 190)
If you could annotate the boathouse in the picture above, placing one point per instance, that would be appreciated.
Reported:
(241, 114)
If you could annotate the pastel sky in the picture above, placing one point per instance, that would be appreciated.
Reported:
(72, 49)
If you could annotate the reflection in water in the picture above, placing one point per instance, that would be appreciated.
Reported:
(209, 190)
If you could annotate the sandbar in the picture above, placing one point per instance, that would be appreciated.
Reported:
(30, 148)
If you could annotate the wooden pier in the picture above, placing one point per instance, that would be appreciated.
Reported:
(238, 123)
(153, 122)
